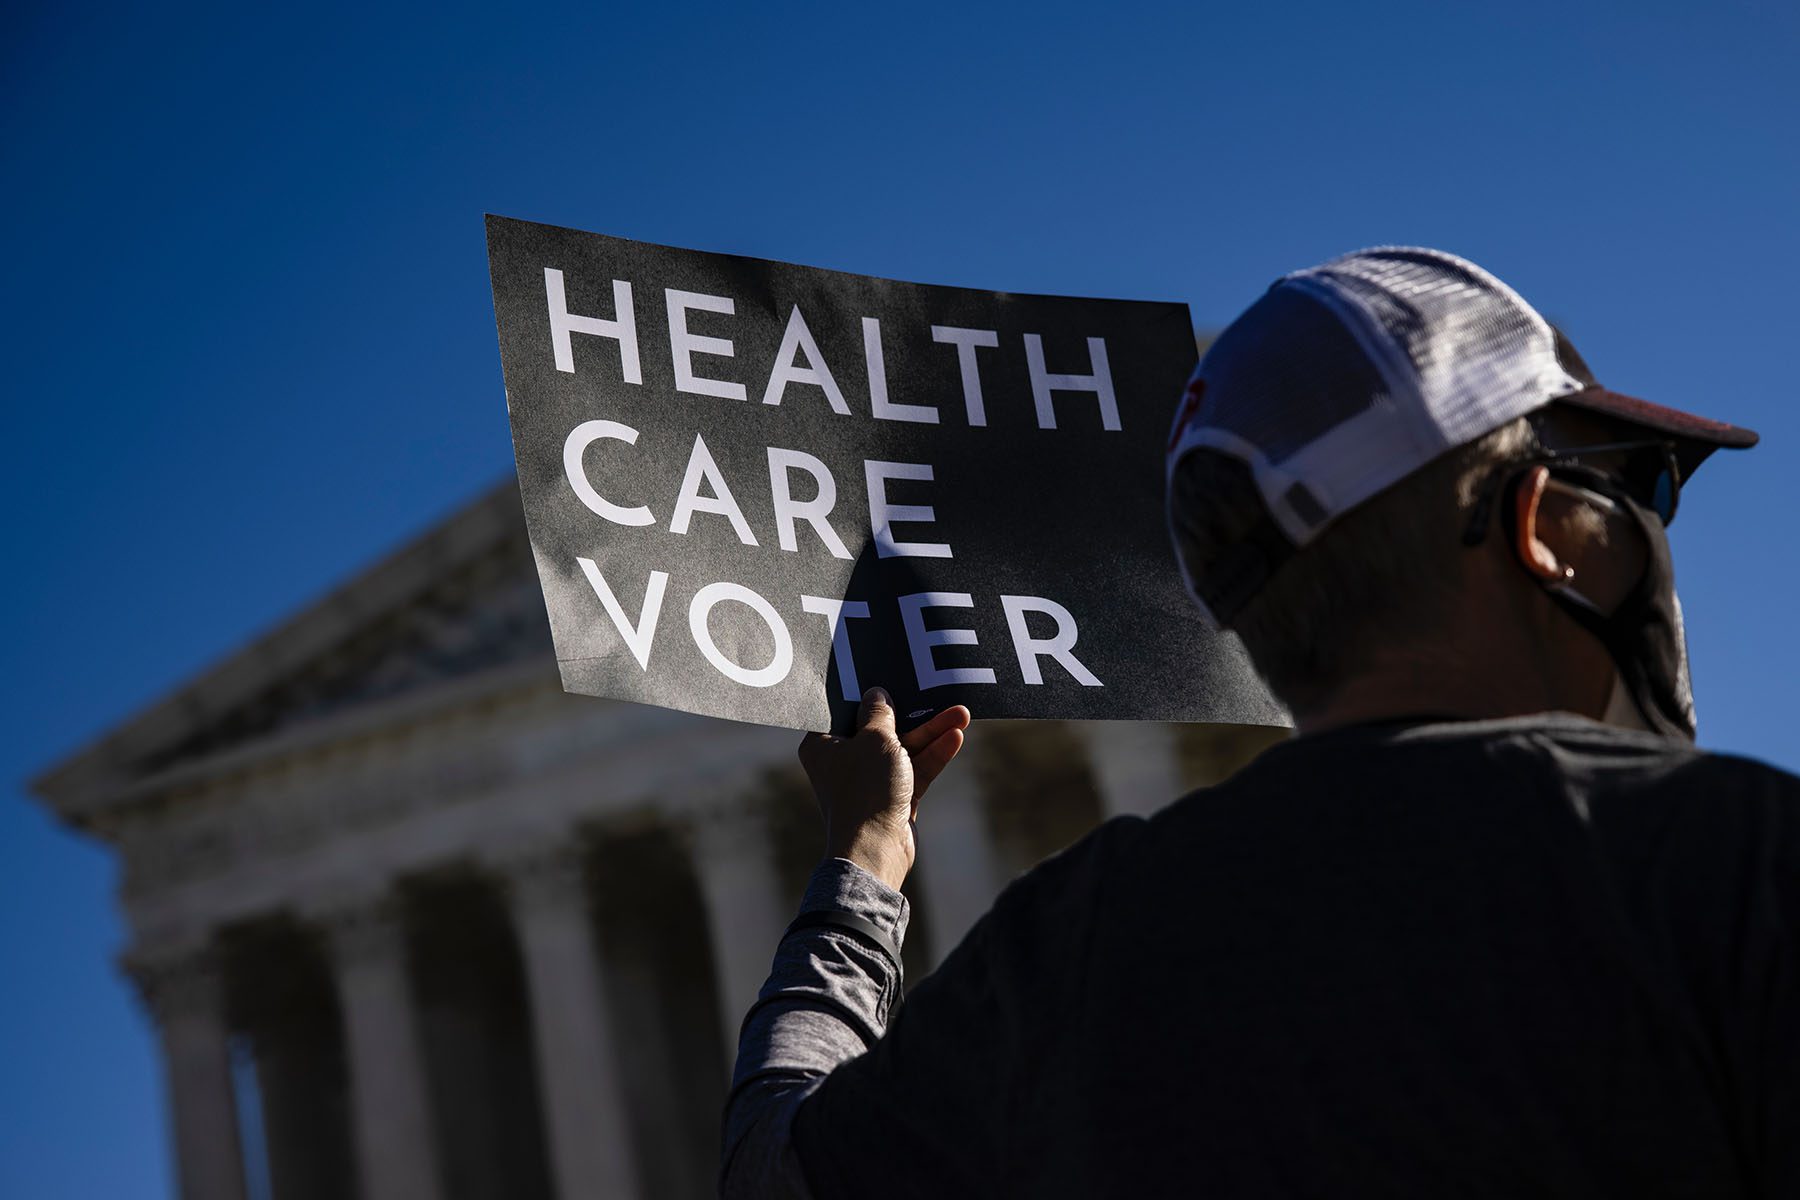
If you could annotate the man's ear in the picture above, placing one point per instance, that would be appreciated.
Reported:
(1535, 556)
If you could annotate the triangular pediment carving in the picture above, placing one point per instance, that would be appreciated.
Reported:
(460, 600)
(482, 614)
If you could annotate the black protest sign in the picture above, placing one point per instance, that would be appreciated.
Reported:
(754, 489)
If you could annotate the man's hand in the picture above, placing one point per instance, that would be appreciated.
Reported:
(869, 784)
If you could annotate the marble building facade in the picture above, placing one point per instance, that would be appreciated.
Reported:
(413, 924)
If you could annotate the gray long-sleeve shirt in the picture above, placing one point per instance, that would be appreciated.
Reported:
(1526, 957)
(826, 1001)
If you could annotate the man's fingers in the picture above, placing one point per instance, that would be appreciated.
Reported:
(877, 713)
(954, 717)
(930, 762)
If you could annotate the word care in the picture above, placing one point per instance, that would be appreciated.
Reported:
(754, 489)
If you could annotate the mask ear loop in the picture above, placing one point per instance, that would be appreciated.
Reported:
(1556, 576)
(1526, 501)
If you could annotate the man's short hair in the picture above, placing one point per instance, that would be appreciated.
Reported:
(1381, 576)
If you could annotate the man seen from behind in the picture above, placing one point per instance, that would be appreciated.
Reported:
(1489, 925)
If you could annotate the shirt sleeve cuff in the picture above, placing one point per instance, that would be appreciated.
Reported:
(839, 885)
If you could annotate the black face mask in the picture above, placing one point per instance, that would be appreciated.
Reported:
(1644, 634)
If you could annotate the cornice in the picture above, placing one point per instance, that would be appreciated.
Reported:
(474, 694)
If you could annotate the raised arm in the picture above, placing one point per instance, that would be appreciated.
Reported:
(837, 970)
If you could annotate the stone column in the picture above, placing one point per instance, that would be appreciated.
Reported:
(1136, 764)
(959, 873)
(746, 911)
(390, 1100)
(186, 994)
(577, 1067)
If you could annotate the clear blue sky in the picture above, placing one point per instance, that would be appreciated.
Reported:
(248, 343)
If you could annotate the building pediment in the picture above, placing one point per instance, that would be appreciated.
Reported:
(457, 601)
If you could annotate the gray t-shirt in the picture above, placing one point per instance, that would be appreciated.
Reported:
(1536, 957)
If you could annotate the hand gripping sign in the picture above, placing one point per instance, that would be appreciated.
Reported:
(754, 489)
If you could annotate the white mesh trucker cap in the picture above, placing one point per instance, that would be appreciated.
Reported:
(1346, 377)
